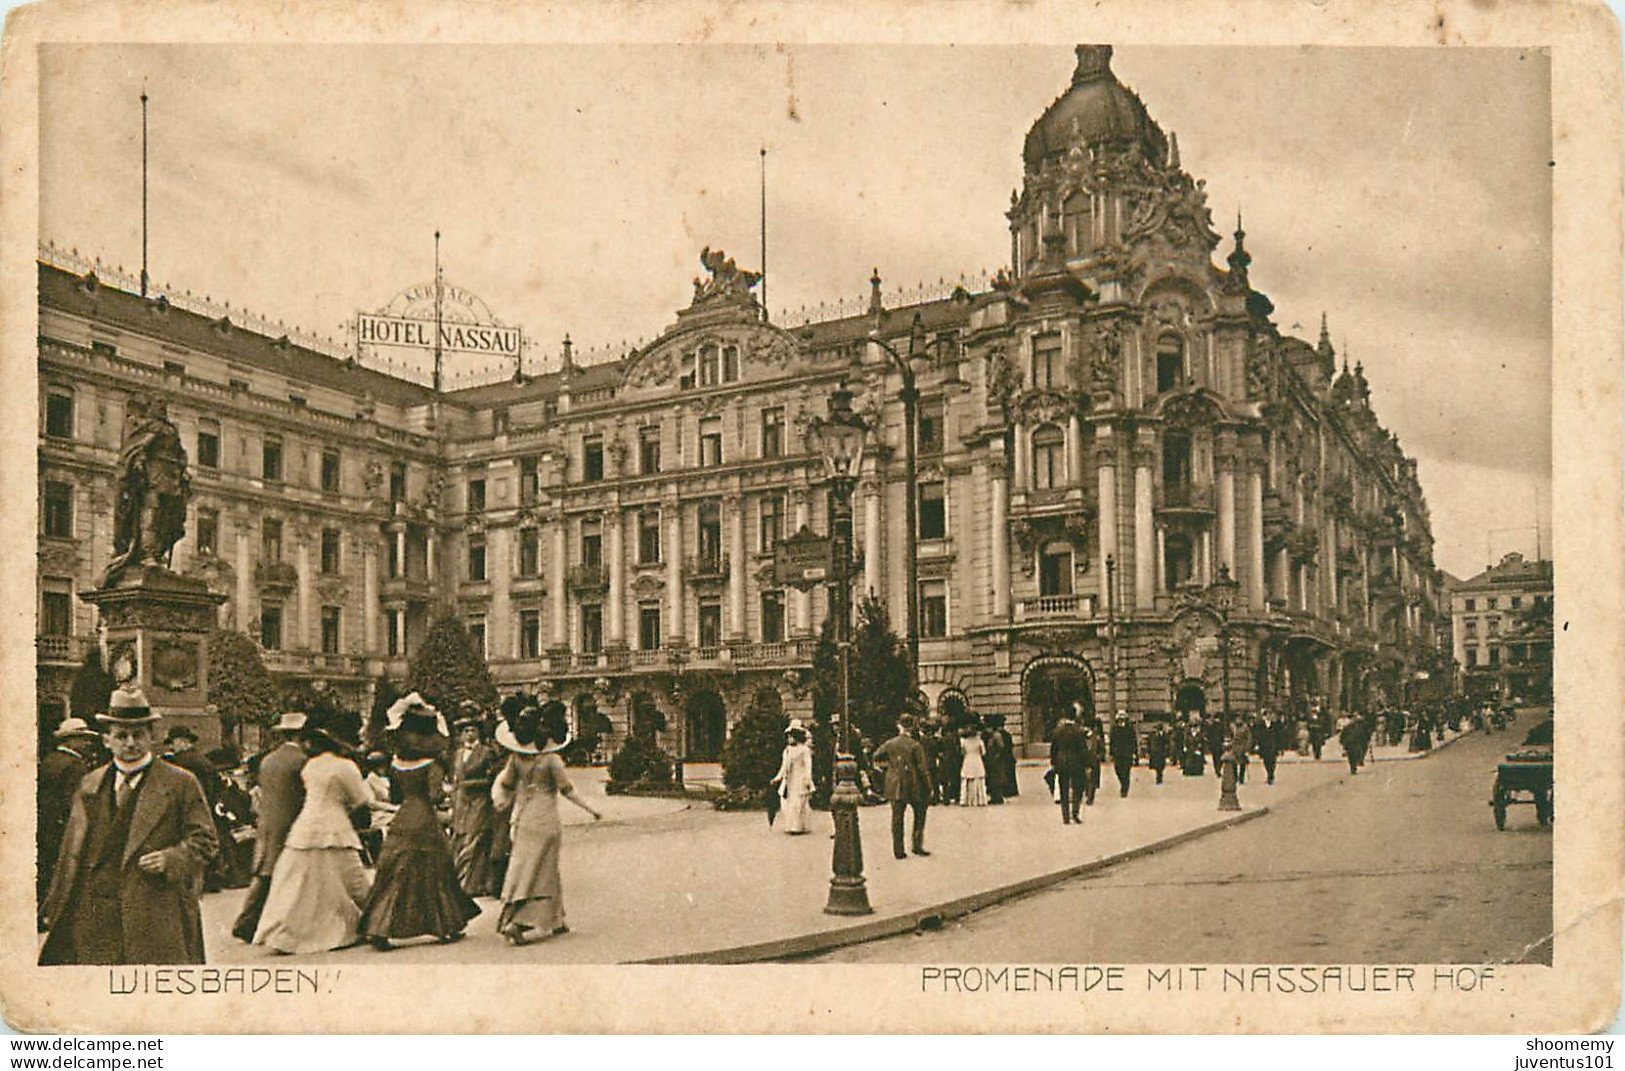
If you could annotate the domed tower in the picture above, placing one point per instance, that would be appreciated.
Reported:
(1097, 172)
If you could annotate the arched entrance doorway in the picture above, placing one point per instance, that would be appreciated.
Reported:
(706, 721)
(1190, 697)
(646, 718)
(1048, 688)
(954, 708)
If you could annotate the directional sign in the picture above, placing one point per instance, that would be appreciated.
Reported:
(804, 560)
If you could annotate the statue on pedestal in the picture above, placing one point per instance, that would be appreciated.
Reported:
(149, 517)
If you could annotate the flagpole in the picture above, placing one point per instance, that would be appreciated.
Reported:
(764, 232)
(144, 276)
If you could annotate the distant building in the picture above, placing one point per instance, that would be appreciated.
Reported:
(1133, 489)
(1502, 630)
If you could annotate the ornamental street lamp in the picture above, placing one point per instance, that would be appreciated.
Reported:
(1222, 597)
(839, 440)
(910, 397)
(1111, 630)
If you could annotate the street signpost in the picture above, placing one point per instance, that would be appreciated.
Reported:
(803, 561)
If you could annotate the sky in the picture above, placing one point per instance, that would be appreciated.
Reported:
(1404, 192)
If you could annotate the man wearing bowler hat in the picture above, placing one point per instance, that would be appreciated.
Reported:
(139, 837)
(60, 771)
(282, 793)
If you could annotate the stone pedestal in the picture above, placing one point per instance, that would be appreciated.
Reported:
(155, 630)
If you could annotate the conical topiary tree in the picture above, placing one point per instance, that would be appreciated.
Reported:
(447, 669)
(240, 686)
(880, 690)
(755, 746)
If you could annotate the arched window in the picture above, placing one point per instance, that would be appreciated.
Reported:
(1170, 363)
(1049, 462)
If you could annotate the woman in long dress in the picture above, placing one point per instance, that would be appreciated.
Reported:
(529, 788)
(319, 886)
(794, 781)
(415, 892)
(973, 771)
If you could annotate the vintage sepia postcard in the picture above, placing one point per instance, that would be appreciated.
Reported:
(744, 517)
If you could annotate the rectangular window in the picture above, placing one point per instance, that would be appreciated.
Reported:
(772, 617)
(1472, 604)
(530, 551)
(330, 551)
(1047, 373)
(592, 541)
(710, 623)
(1495, 656)
(56, 514)
(648, 536)
(56, 607)
(476, 634)
(649, 449)
(1517, 602)
(330, 630)
(649, 638)
(394, 559)
(270, 541)
(933, 516)
(730, 363)
(773, 432)
(271, 626)
(530, 633)
(208, 444)
(476, 495)
(397, 481)
(529, 481)
(933, 608)
(710, 441)
(1472, 656)
(59, 415)
(772, 522)
(271, 460)
(592, 628)
(476, 559)
(1492, 604)
(933, 418)
(592, 459)
(710, 533)
(1470, 631)
(1055, 569)
(330, 471)
(710, 366)
(207, 537)
(1494, 626)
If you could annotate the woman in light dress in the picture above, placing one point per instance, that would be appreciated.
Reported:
(529, 788)
(319, 886)
(973, 773)
(794, 780)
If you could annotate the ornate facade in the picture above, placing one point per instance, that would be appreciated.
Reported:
(1132, 487)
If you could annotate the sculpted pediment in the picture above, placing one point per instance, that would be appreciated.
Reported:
(700, 357)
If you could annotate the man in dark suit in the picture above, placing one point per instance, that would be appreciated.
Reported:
(282, 793)
(139, 836)
(908, 784)
(1069, 755)
(1267, 739)
(1095, 747)
(1125, 750)
(61, 771)
(1156, 750)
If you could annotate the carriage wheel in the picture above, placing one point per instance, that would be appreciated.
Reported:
(1500, 805)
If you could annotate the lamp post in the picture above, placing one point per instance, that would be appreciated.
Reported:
(1222, 597)
(910, 397)
(839, 440)
(1111, 630)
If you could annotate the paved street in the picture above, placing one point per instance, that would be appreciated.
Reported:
(1401, 863)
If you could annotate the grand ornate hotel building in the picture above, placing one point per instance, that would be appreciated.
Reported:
(1132, 488)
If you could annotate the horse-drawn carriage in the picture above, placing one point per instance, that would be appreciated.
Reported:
(1525, 777)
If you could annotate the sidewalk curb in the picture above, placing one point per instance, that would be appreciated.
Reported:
(936, 914)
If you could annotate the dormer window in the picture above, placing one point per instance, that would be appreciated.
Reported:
(710, 366)
(1170, 363)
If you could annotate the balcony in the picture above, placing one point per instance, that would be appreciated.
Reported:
(63, 650)
(709, 566)
(785, 653)
(1051, 607)
(1186, 498)
(398, 590)
(276, 577)
(589, 577)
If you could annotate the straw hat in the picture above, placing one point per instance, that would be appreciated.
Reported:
(291, 721)
(74, 727)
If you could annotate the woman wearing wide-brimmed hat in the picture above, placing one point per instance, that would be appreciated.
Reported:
(415, 892)
(318, 884)
(794, 779)
(530, 785)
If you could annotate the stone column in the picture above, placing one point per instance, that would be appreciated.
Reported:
(560, 587)
(871, 536)
(307, 592)
(1227, 512)
(801, 601)
(1024, 470)
(1074, 452)
(1000, 536)
(1255, 535)
(499, 573)
(1162, 558)
(736, 568)
(369, 598)
(397, 623)
(614, 531)
(400, 551)
(430, 561)
(245, 572)
(1106, 476)
(675, 628)
(1144, 563)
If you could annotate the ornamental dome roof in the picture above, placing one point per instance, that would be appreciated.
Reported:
(1097, 108)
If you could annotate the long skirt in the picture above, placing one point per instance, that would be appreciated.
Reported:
(973, 792)
(532, 894)
(415, 892)
(315, 900)
(796, 810)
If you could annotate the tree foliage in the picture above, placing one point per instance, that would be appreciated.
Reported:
(754, 748)
(447, 669)
(239, 684)
(92, 686)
